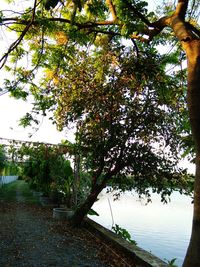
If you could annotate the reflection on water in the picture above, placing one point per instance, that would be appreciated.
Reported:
(163, 229)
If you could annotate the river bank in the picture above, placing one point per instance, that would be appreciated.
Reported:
(162, 229)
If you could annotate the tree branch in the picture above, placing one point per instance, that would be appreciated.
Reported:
(112, 9)
(14, 45)
(96, 30)
(193, 29)
(138, 37)
(79, 25)
(181, 8)
(136, 47)
(158, 26)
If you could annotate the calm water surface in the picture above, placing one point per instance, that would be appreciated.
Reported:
(163, 229)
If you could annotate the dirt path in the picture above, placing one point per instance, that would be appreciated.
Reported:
(30, 237)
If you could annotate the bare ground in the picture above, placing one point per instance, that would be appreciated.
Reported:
(30, 237)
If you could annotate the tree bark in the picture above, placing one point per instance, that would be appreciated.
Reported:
(191, 45)
(192, 49)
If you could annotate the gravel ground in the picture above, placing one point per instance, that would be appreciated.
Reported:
(30, 237)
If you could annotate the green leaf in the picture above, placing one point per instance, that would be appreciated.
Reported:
(92, 212)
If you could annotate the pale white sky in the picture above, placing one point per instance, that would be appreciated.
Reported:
(12, 110)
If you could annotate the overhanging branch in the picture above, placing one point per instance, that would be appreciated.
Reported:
(18, 41)
(112, 9)
(193, 29)
(181, 8)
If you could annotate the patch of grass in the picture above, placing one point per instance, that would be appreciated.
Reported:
(23, 187)
(8, 191)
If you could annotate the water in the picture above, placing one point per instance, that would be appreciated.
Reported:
(162, 229)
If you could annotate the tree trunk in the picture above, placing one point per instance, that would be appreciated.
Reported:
(76, 178)
(192, 48)
(82, 211)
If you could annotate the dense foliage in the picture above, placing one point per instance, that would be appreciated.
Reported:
(125, 125)
(48, 171)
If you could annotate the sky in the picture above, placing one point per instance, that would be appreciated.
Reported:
(11, 110)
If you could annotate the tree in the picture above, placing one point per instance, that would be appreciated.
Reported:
(47, 170)
(121, 120)
(52, 36)
(2, 159)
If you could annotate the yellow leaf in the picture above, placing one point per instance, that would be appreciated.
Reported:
(61, 38)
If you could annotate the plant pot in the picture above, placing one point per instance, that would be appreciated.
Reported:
(62, 213)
